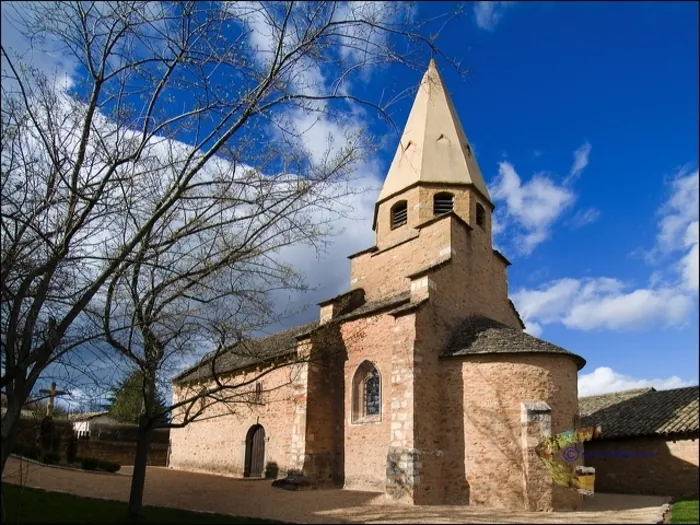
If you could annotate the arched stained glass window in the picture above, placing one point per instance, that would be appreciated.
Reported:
(366, 394)
(372, 393)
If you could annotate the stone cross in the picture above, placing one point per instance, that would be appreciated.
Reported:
(52, 392)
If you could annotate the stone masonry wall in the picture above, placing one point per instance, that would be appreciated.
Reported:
(427, 418)
(402, 460)
(406, 249)
(385, 235)
(645, 465)
(473, 283)
(122, 452)
(482, 429)
(420, 209)
(366, 443)
(217, 444)
(383, 274)
(425, 196)
(325, 419)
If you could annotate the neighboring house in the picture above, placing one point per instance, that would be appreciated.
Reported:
(82, 422)
(429, 390)
(649, 441)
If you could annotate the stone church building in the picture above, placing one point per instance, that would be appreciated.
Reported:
(425, 385)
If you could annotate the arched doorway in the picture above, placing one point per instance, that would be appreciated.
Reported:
(254, 452)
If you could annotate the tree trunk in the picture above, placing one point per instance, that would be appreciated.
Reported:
(10, 426)
(138, 478)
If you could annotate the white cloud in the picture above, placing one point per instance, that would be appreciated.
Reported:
(635, 310)
(351, 35)
(320, 137)
(583, 218)
(329, 273)
(679, 210)
(489, 14)
(580, 162)
(689, 263)
(534, 329)
(602, 304)
(604, 380)
(534, 206)
(678, 227)
(47, 58)
(497, 225)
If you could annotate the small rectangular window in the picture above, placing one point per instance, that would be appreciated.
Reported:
(258, 392)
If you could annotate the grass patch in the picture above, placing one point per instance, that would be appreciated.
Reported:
(40, 506)
(685, 511)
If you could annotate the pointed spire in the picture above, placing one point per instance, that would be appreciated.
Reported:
(433, 147)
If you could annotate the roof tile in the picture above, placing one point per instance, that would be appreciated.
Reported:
(246, 353)
(642, 412)
(481, 335)
(263, 350)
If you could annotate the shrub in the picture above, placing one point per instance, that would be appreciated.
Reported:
(47, 433)
(50, 457)
(89, 463)
(32, 452)
(109, 466)
(56, 443)
(27, 451)
(72, 449)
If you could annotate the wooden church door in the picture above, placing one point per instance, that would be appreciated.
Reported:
(255, 452)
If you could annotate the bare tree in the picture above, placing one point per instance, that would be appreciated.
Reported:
(146, 201)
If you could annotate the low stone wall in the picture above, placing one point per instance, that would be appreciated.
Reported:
(29, 430)
(652, 465)
(122, 453)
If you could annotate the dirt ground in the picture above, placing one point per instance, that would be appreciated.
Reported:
(257, 498)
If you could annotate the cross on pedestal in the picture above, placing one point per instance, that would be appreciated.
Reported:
(52, 392)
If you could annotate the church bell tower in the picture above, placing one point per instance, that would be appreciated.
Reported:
(434, 171)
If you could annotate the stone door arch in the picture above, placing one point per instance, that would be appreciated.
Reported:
(255, 452)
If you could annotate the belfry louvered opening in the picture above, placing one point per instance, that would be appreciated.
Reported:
(399, 214)
(443, 202)
(480, 215)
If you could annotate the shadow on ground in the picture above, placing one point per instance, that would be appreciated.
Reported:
(240, 497)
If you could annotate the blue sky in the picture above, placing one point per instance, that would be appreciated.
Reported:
(584, 120)
(622, 77)
(614, 88)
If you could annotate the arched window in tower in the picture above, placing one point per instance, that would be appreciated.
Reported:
(443, 202)
(399, 214)
(480, 216)
(366, 394)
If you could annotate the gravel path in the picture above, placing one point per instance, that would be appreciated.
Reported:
(256, 498)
